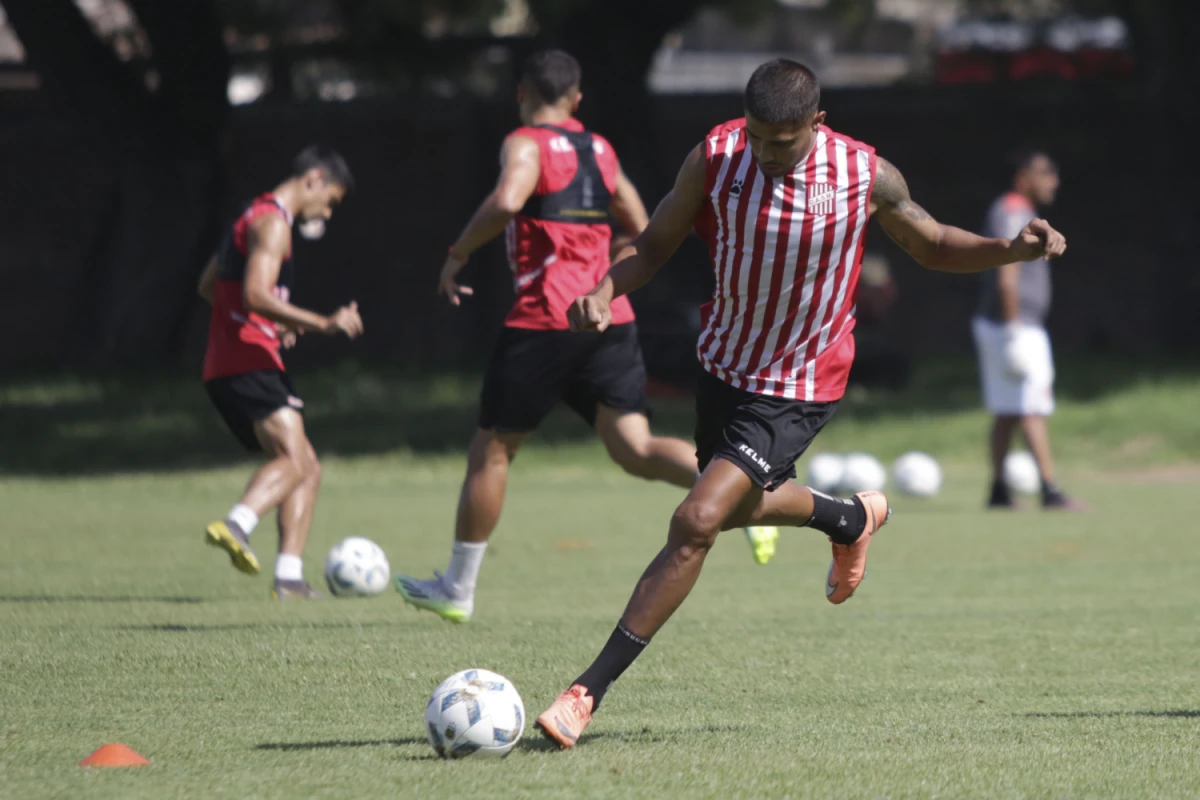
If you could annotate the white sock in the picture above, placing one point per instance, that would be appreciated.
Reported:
(465, 560)
(288, 568)
(245, 518)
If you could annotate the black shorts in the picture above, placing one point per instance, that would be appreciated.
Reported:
(531, 371)
(243, 400)
(763, 435)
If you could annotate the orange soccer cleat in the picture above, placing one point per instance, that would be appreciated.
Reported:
(565, 719)
(850, 560)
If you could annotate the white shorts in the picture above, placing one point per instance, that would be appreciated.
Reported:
(1003, 391)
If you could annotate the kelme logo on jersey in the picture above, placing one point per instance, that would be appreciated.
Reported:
(755, 457)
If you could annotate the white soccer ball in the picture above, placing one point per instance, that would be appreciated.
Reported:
(474, 713)
(825, 472)
(356, 567)
(917, 474)
(1021, 472)
(863, 473)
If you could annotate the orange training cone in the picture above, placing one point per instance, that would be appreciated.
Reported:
(114, 755)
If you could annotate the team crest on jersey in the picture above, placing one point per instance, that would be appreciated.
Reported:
(821, 197)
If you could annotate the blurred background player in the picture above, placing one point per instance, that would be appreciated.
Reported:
(248, 283)
(1015, 361)
(783, 203)
(558, 186)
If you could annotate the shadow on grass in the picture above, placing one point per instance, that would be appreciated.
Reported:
(1182, 713)
(251, 626)
(535, 741)
(79, 425)
(338, 744)
(83, 598)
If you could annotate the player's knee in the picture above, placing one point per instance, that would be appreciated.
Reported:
(633, 457)
(305, 465)
(314, 469)
(695, 525)
(491, 450)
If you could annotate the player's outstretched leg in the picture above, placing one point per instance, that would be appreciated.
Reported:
(451, 595)
(850, 525)
(662, 588)
(724, 492)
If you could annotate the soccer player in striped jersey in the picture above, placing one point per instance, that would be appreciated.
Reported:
(782, 202)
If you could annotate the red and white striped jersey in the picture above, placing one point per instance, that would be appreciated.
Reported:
(786, 253)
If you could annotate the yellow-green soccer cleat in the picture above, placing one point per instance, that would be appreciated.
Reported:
(232, 541)
(431, 595)
(762, 542)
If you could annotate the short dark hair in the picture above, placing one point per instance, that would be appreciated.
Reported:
(326, 159)
(551, 73)
(1023, 159)
(782, 91)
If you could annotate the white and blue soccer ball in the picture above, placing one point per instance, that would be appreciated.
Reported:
(863, 473)
(1021, 472)
(474, 713)
(356, 567)
(825, 472)
(917, 474)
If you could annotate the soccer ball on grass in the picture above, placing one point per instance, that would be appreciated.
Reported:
(356, 567)
(863, 473)
(474, 713)
(1021, 472)
(825, 471)
(917, 474)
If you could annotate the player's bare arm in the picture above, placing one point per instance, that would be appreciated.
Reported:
(520, 168)
(268, 242)
(946, 248)
(668, 227)
(1008, 279)
(629, 212)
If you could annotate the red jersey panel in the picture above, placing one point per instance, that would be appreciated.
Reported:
(240, 341)
(786, 252)
(558, 245)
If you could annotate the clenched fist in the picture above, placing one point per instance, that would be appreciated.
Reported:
(589, 313)
(1038, 240)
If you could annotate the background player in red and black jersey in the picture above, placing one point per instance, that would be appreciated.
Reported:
(248, 282)
(558, 186)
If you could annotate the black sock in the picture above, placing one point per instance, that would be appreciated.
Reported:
(621, 650)
(841, 520)
(1001, 494)
(1050, 490)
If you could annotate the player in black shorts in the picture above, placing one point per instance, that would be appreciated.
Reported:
(557, 187)
(248, 282)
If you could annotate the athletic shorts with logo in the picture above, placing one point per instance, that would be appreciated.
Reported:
(763, 435)
(532, 370)
(249, 397)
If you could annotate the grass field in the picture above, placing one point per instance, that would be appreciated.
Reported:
(1020, 655)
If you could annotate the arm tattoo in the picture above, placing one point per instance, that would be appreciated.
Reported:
(891, 190)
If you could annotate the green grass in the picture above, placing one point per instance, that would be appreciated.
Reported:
(1116, 413)
(1021, 655)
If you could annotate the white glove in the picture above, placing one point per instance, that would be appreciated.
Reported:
(1018, 361)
